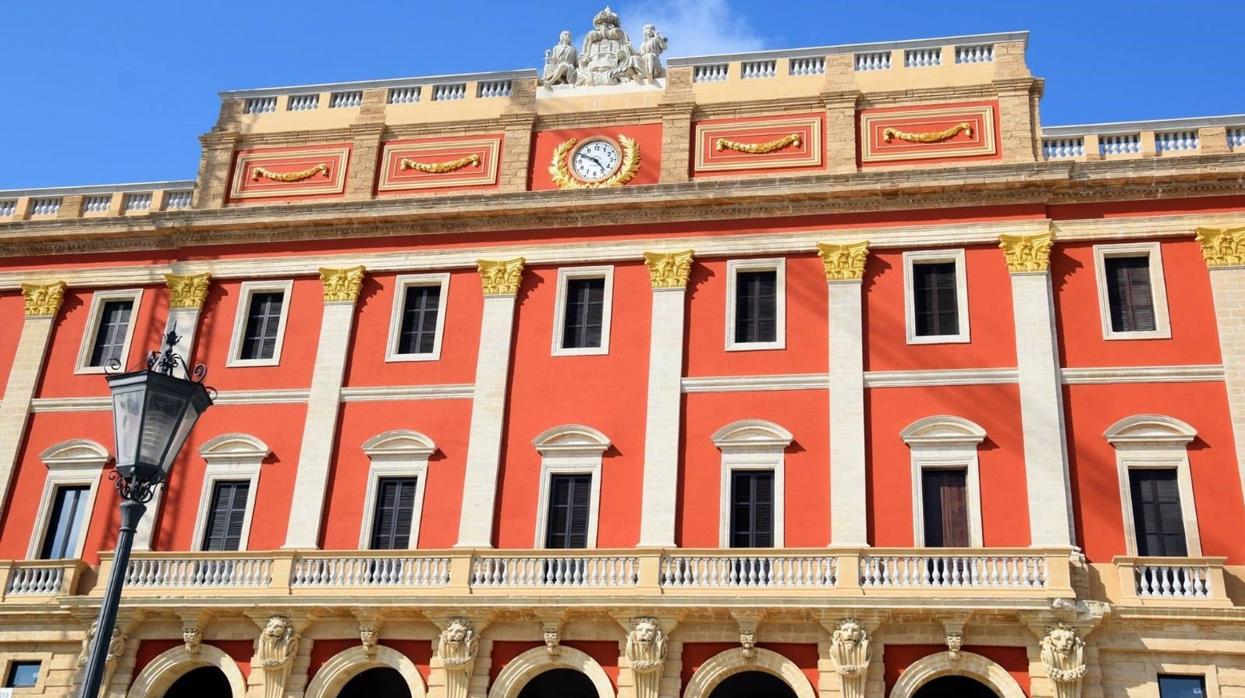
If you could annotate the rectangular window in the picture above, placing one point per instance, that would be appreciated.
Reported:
(22, 675)
(752, 509)
(584, 314)
(420, 313)
(111, 332)
(1157, 517)
(944, 507)
(756, 306)
(263, 325)
(395, 506)
(934, 302)
(1129, 296)
(1181, 686)
(66, 523)
(567, 525)
(226, 514)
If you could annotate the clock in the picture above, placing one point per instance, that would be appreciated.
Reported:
(595, 160)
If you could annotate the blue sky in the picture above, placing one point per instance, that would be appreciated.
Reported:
(102, 92)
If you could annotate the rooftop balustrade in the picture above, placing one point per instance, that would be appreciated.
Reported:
(95, 201)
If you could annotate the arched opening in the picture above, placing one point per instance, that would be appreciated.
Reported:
(204, 682)
(375, 683)
(954, 687)
(753, 684)
(559, 683)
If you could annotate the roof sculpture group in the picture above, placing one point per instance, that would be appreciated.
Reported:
(606, 56)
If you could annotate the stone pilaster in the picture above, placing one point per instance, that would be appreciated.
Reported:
(845, 270)
(1224, 252)
(668, 273)
(840, 97)
(341, 290)
(1041, 393)
(500, 282)
(1019, 131)
(1213, 140)
(71, 206)
(677, 104)
(365, 150)
(517, 120)
(214, 166)
(42, 303)
(186, 296)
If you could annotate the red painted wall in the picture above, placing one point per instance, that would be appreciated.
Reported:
(608, 393)
(897, 658)
(996, 408)
(1092, 409)
(802, 655)
(992, 332)
(12, 315)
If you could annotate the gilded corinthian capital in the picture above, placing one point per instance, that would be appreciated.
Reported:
(1222, 247)
(844, 262)
(1027, 253)
(342, 285)
(668, 269)
(500, 278)
(43, 300)
(187, 291)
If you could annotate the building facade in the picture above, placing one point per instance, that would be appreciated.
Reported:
(800, 373)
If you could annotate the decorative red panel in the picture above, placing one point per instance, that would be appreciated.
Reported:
(953, 131)
(439, 163)
(742, 145)
(279, 173)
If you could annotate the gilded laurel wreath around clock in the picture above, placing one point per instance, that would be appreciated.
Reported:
(596, 163)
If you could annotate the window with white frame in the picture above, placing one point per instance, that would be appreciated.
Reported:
(570, 486)
(756, 304)
(935, 297)
(230, 486)
(1156, 486)
(394, 501)
(74, 471)
(259, 324)
(109, 330)
(418, 319)
(1132, 298)
(581, 322)
(751, 507)
(946, 483)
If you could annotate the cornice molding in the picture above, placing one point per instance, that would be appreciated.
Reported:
(464, 391)
(1195, 373)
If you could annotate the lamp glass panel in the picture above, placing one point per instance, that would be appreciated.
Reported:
(127, 414)
(164, 411)
(189, 417)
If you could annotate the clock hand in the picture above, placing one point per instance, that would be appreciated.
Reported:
(598, 162)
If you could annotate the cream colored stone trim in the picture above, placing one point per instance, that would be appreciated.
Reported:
(249, 288)
(1153, 252)
(778, 265)
(726, 664)
(400, 286)
(752, 444)
(527, 666)
(969, 664)
(73, 462)
(396, 453)
(912, 258)
(565, 275)
(663, 411)
(570, 449)
(334, 674)
(447, 391)
(846, 392)
(945, 443)
(1155, 441)
(230, 457)
(163, 671)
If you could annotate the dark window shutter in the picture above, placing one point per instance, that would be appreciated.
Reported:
(756, 306)
(263, 319)
(944, 505)
(418, 332)
(66, 523)
(583, 316)
(752, 509)
(1157, 517)
(114, 322)
(567, 523)
(935, 306)
(1129, 295)
(395, 508)
(226, 515)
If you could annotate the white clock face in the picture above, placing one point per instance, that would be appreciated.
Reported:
(595, 160)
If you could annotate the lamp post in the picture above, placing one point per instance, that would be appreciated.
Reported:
(153, 412)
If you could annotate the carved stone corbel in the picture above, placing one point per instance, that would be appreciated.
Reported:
(849, 650)
(276, 648)
(192, 631)
(646, 654)
(457, 647)
(551, 630)
(1063, 655)
(748, 620)
(954, 629)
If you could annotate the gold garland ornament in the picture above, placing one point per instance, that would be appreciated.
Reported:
(759, 148)
(472, 160)
(261, 173)
(561, 171)
(889, 134)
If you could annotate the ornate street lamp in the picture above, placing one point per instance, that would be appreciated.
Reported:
(153, 412)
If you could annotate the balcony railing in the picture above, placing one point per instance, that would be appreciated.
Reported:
(34, 578)
(1024, 573)
(1165, 581)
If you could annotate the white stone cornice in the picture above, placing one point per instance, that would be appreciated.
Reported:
(747, 384)
(409, 392)
(1197, 373)
(950, 376)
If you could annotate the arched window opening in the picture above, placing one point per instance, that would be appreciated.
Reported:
(380, 682)
(204, 682)
(753, 684)
(954, 687)
(559, 683)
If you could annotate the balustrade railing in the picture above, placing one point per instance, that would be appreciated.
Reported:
(370, 571)
(555, 571)
(815, 65)
(716, 72)
(40, 578)
(1172, 580)
(752, 70)
(172, 572)
(878, 60)
(717, 571)
(968, 570)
